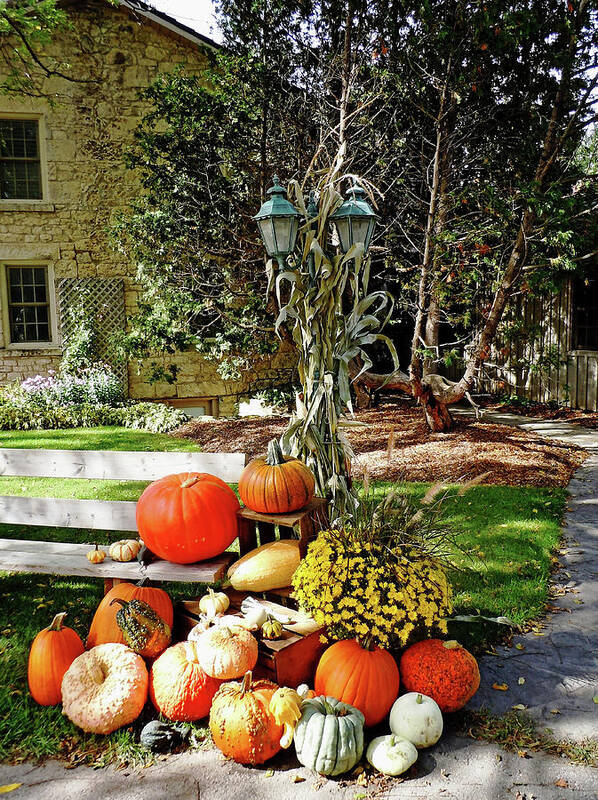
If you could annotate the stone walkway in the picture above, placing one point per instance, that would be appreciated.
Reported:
(456, 769)
(560, 670)
(559, 666)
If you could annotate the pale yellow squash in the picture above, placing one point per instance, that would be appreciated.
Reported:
(270, 566)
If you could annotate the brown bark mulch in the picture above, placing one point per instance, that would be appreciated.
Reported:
(509, 456)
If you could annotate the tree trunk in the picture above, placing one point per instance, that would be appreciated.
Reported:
(437, 414)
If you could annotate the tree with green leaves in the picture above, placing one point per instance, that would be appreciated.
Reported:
(466, 116)
(26, 28)
(495, 204)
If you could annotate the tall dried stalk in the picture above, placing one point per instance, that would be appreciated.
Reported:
(324, 300)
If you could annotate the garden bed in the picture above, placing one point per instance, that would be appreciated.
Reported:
(506, 456)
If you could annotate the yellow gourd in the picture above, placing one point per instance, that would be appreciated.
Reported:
(285, 706)
(96, 556)
(270, 566)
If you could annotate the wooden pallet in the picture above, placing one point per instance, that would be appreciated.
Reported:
(287, 661)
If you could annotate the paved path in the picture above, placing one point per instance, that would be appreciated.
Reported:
(560, 667)
(456, 769)
(560, 671)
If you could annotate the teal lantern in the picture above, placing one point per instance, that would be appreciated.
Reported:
(278, 222)
(355, 220)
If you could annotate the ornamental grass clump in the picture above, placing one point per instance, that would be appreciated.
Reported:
(383, 575)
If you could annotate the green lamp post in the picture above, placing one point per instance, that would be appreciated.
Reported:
(278, 222)
(354, 220)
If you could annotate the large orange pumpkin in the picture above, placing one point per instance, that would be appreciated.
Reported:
(53, 651)
(360, 674)
(276, 484)
(179, 688)
(241, 723)
(104, 627)
(445, 671)
(188, 517)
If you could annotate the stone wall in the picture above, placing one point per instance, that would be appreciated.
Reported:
(83, 136)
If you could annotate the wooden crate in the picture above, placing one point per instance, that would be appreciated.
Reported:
(305, 524)
(288, 661)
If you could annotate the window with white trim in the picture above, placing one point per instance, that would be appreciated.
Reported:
(29, 309)
(20, 160)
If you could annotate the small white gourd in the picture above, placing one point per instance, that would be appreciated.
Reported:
(254, 612)
(213, 603)
(391, 754)
(418, 718)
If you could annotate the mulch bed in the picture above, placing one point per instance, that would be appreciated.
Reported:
(509, 456)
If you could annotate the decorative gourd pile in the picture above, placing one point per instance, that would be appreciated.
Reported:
(193, 516)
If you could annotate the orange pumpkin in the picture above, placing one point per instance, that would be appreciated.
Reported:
(276, 484)
(104, 627)
(52, 652)
(178, 687)
(241, 723)
(188, 517)
(445, 671)
(360, 674)
(226, 652)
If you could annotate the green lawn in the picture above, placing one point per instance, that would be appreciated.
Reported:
(511, 532)
(101, 438)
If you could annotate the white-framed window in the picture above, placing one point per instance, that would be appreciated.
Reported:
(28, 305)
(20, 159)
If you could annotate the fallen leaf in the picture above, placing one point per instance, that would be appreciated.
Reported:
(298, 779)
(562, 783)
(9, 787)
(362, 780)
(268, 773)
(595, 698)
(554, 711)
(522, 753)
(520, 646)
(521, 681)
(519, 707)
(500, 687)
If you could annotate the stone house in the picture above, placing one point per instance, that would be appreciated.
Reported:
(61, 179)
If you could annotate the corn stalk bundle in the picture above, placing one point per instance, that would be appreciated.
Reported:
(324, 302)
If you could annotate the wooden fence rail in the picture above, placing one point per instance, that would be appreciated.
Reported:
(117, 465)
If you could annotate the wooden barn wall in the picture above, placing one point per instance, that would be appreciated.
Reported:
(541, 364)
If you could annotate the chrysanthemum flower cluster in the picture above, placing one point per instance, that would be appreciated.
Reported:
(356, 587)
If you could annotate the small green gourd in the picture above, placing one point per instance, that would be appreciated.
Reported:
(163, 737)
(271, 629)
(143, 630)
(329, 736)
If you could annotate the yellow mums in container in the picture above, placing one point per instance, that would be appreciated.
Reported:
(374, 580)
(354, 588)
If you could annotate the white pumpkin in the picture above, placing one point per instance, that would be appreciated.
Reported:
(213, 603)
(105, 688)
(418, 718)
(391, 754)
(125, 549)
